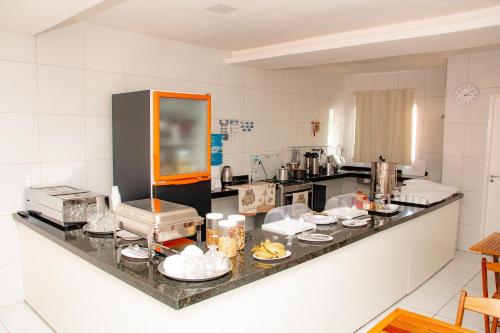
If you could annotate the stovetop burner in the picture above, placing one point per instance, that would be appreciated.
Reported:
(289, 182)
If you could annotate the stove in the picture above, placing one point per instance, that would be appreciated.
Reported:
(286, 188)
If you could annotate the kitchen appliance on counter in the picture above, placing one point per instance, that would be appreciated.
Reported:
(383, 179)
(312, 163)
(226, 175)
(63, 205)
(282, 174)
(286, 189)
(158, 221)
(331, 168)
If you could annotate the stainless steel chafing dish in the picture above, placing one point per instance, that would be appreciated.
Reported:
(157, 220)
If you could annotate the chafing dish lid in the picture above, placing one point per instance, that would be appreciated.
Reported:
(157, 211)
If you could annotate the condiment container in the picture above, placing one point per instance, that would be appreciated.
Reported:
(227, 237)
(240, 230)
(212, 227)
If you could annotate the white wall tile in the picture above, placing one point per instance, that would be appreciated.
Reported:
(177, 85)
(479, 112)
(473, 174)
(62, 138)
(232, 102)
(457, 71)
(61, 90)
(139, 82)
(18, 90)
(308, 107)
(470, 209)
(99, 88)
(215, 92)
(255, 79)
(386, 81)
(104, 49)
(177, 60)
(434, 165)
(454, 113)
(11, 287)
(62, 47)
(308, 83)
(413, 80)
(435, 83)
(434, 111)
(484, 70)
(17, 47)
(100, 176)
(206, 64)
(326, 86)
(19, 138)
(232, 75)
(99, 138)
(9, 244)
(362, 82)
(467, 236)
(453, 171)
(276, 106)
(254, 104)
(292, 81)
(143, 55)
(433, 139)
(475, 140)
(454, 140)
(64, 173)
(15, 178)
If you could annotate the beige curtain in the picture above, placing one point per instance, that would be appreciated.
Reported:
(384, 125)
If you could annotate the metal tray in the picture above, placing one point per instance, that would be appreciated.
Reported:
(162, 271)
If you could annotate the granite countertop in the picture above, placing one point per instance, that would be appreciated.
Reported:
(102, 253)
(355, 173)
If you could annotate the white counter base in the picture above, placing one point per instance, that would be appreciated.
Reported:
(337, 292)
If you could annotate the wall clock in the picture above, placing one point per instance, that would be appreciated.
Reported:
(466, 93)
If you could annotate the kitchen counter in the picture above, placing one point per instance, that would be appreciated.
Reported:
(360, 173)
(101, 253)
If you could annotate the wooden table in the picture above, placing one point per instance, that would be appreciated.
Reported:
(403, 321)
(490, 246)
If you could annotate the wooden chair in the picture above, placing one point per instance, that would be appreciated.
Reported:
(493, 267)
(486, 306)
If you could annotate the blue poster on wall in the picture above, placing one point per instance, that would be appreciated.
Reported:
(216, 149)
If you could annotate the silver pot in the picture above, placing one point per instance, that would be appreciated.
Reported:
(282, 174)
(293, 165)
(331, 168)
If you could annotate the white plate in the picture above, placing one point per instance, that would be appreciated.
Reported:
(355, 223)
(130, 253)
(287, 254)
(314, 237)
(124, 234)
(319, 219)
(86, 229)
(346, 212)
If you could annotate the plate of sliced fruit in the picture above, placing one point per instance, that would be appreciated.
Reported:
(269, 251)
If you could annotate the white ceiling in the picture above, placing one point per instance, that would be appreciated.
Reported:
(265, 22)
(34, 16)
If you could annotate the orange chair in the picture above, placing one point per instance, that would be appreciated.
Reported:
(493, 267)
(486, 306)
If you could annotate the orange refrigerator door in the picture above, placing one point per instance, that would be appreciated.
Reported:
(181, 138)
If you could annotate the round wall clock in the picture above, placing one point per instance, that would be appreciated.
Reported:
(466, 93)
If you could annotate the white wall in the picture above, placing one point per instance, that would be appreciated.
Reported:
(465, 137)
(430, 99)
(55, 111)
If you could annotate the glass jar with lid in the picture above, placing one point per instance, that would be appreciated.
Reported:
(239, 229)
(227, 238)
(212, 227)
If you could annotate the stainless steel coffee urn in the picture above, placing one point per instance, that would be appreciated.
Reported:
(312, 163)
(383, 179)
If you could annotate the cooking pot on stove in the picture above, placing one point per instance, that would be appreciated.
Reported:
(282, 174)
(299, 174)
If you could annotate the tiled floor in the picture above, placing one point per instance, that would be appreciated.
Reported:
(438, 297)
(21, 318)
